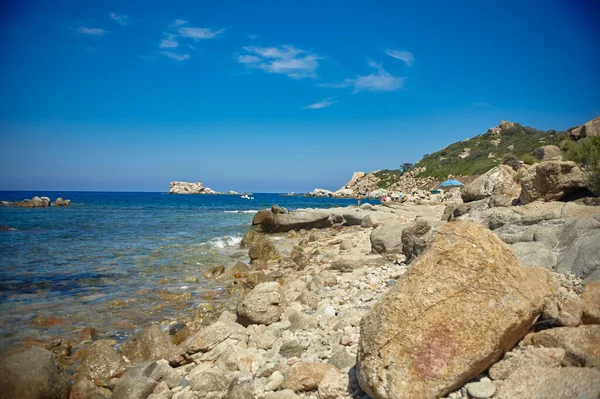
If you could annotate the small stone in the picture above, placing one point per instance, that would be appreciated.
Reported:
(275, 381)
(326, 311)
(342, 359)
(285, 394)
(565, 307)
(290, 349)
(333, 385)
(306, 376)
(481, 390)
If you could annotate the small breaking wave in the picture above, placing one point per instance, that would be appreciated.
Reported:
(225, 242)
(246, 211)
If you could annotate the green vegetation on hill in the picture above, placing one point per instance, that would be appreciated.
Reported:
(586, 152)
(388, 177)
(481, 153)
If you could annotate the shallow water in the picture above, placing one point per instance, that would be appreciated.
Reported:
(109, 260)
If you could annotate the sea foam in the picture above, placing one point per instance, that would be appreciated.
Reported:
(227, 241)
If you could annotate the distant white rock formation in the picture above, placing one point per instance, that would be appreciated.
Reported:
(182, 187)
(320, 192)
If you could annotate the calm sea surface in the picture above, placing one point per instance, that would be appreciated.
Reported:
(107, 260)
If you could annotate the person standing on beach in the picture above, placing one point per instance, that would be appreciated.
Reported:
(358, 199)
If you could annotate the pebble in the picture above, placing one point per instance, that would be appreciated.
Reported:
(481, 390)
(275, 381)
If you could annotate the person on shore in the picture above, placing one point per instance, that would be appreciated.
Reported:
(358, 199)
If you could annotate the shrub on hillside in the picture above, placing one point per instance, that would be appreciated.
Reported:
(528, 159)
(586, 152)
(511, 160)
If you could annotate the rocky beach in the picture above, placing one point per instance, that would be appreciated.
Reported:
(471, 298)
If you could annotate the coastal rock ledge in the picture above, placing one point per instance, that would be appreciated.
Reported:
(182, 187)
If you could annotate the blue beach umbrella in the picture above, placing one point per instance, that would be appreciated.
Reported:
(451, 184)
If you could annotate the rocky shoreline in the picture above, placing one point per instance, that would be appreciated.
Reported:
(473, 298)
(366, 185)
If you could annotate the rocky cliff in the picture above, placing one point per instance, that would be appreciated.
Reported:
(181, 187)
(380, 183)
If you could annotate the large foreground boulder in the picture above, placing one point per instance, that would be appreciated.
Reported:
(551, 181)
(464, 302)
(32, 374)
(497, 181)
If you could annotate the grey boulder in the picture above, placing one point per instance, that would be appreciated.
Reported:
(32, 374)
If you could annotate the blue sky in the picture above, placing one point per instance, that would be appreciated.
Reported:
(276, 96)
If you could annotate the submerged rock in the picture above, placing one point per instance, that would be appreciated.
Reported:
(463, 303)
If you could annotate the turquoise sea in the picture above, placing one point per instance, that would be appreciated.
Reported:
(106, 260)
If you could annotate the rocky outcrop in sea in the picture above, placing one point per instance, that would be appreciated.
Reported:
(181, 187)
(37, 202)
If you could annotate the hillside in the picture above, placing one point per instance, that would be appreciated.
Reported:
(509, 142)
(475, 156)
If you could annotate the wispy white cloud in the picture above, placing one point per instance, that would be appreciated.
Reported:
(91, 31)
(288, 60)
(200, 33)
(120, 19)
(175, 56)
(327, 102)
(169, 42)
(178, 22)
(339, 85)
(405, 56)
(378, 82)
(253, 37)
